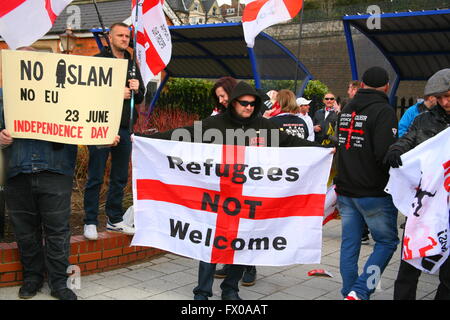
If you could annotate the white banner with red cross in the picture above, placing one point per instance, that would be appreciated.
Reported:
(420, 189)
(230, 204)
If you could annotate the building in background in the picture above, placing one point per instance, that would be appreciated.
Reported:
(196, 11)
(233, 12)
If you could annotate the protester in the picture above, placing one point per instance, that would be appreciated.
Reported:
(367, 127)
(220, 92)
(408, 117)
(426, 125)
(325, 119)
(288, 119)
(38, 198)
(120, 155)
(242, 116)
(275, 108)
(304, 114)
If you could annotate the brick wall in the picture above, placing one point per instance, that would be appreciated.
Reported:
(110, 251)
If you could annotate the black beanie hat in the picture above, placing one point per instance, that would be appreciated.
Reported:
(375, 77)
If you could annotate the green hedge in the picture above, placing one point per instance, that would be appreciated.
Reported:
(189, 95)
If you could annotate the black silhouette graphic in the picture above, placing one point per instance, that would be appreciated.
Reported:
(61, 73)
(419, 196)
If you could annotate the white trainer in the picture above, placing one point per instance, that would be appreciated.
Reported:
(352, 296)
(120, 227)
(90, 231)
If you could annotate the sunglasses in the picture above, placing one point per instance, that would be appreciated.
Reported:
(246, 103)
(329, 98)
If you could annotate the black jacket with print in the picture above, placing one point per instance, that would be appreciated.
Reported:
(367, 127)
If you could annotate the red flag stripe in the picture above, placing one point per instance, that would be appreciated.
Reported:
(51, 14)
(252, 9)
(191, 197)
(9, 5)
(149, 4)
(293, 6)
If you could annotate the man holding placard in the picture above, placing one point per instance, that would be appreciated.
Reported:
(120, 155)
(39, 133)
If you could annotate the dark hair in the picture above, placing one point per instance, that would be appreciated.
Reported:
(228, 84)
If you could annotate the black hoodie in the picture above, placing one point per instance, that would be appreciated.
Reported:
(367, 126)
(252, 131)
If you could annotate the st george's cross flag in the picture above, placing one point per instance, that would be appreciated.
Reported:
(22, 22)
(154, 44)
(420, 190)
(261, 14)
(230, 204)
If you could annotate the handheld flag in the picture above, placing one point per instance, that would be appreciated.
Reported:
(260, 14)
(22, 22)
(153, 45)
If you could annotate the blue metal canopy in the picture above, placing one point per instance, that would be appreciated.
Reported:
(410, 45)
(216, 50)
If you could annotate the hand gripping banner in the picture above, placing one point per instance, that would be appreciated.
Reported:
(230, 204)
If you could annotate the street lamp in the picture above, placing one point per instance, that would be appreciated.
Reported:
(68, 40)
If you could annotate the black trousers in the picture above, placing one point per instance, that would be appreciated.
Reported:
(39, 207)
(229, 285)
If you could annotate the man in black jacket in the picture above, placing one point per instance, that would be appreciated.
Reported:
(120, 155)
(240, 124)
(425, 126)
(367, 127)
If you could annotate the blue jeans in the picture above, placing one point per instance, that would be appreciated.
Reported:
(118, 178)
(380, 214)
(40, 203)
(229, 285)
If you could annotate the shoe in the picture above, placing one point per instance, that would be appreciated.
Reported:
(249, 277)
(365, 239)
(120, 227)
(29, 289)
(200, 297)
(231, 296)
(221, 273)
(64, 294)
(352, 296)
(90, 232)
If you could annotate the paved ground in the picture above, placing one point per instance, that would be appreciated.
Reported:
(171, 277)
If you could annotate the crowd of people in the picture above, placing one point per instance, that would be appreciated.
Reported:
(40, 173)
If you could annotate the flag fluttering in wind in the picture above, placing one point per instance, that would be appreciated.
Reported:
(154, 45)
(260, 14)
(22, 22)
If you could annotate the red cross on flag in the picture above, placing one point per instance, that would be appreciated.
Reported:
(22, 22)
(261, 14)
(154, 44)
(230, 204)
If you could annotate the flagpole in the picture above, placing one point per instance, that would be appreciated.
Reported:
(133, 68)
(102, 25)
(298, 49)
